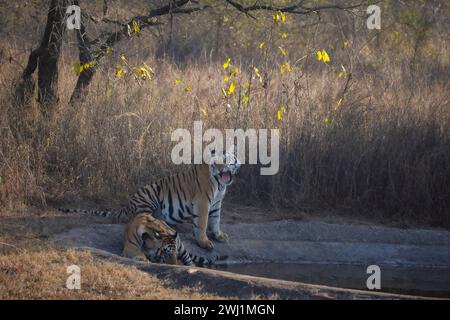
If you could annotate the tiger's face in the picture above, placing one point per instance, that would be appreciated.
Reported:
(224, 166)
(159, 241)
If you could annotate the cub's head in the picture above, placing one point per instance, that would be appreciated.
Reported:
(158, 239)
(224, 165)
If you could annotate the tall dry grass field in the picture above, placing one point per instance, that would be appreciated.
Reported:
(383, 150)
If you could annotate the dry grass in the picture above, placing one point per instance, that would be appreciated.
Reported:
(42, 275)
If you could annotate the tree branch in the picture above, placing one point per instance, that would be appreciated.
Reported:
(295, 8)
(86, 55)
(142, 22)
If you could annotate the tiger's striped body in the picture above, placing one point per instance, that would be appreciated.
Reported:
(193, 195)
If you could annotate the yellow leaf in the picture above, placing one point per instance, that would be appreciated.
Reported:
(326, 121)
(119, 72)
(231, 88)
(346, 43)
(276, 16)
(342, 73)
(261, 45)
(283, 35)
(288, 67)
(256, 71)
(203, 111)
(281, 112)
(136, 27)
(226, 64)
(235, 70)
(283, 52)
(108, 50)
(279, 16)
(122, 56)
(323, 56)
(143, 72)
(177, 81)
(226, 79)
(285, 67)
(246, 98)
(187, 88)
(319, 55)
(77, 68)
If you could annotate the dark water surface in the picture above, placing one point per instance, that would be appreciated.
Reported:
(430, 282)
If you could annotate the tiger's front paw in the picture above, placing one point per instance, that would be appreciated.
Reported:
(206, 244)
(221, 236)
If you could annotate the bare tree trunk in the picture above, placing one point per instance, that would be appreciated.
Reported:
(49, 56)
(26, 85)
(24, 119)
(45, 58)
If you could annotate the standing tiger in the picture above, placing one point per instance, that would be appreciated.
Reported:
(146, 237)
(195, 194)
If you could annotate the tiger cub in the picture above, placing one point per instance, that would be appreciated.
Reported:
(195, 194)
(149, 238)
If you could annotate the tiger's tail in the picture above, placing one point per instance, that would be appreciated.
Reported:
(189, 259)
(96, 213)
(205, 262)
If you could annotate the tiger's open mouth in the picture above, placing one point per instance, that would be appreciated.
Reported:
(225, 177)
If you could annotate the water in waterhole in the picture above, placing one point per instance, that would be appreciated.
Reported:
(418, 281)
